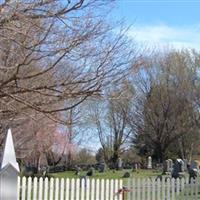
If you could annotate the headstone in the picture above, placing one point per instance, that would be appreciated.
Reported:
(9, 171)
(178, 168)
(165, 166)
(194, 165)
(90, 172)
(192, 174)
(136, 166)
(77, 170)
(42, 162)
(170, 167)
(149, 163)
(126, 175)
(119, 163)
(44, 173)
(139, 165)
(193, 170)
(102, 167)
(182, 165)
(185, 164)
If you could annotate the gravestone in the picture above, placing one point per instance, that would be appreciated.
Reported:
(166, 166)
(77, 170)
(90, 172)
(9, 171)
(170, 167)
(193, 170)
(194, 165)
(139, 165)
(180, 163)
(192, 174)
(149, 163)
(178, 168)
(102, 167)
(185, 164)
(119, 164)
(127, 175)
(136, 166)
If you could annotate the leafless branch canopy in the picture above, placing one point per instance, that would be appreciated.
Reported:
(53, 52)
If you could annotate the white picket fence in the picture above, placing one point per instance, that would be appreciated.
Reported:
(68, 189)
(165, 189)
(105, 189)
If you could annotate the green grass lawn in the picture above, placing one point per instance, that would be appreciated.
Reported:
(110, 174)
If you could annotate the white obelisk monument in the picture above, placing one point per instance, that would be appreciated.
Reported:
(9, 171)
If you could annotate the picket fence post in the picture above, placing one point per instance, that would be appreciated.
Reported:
(68, 189)
(13, 187)
(167, 188)
(107, 189)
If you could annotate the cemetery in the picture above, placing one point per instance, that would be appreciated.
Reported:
(178, 180)
(99, 100)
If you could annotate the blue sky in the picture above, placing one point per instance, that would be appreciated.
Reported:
(162, 22)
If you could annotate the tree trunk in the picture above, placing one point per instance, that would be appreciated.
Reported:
(115, 157)
(159, 153)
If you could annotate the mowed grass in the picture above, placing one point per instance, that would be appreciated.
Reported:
(109, 174)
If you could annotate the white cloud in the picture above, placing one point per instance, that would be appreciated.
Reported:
(163, 35)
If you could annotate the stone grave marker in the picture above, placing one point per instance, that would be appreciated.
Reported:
(185, 164)
(176, 169)
(77, 170)
(136, 166)
(126, 175)
(170, 167)
(119, 164)
(149, 163)
(166, 166)
(102, 167)
(194, 165)
(90, 172)
(182, 165)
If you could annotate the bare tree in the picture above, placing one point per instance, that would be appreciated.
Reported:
(33, 139)
(54, 51)
(166, 110)
(84, 156)
(112, 122)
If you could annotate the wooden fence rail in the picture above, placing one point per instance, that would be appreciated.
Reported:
(68, 189)
(165, 189)
(105, 189)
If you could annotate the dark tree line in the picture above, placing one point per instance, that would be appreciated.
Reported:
(167, 121)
